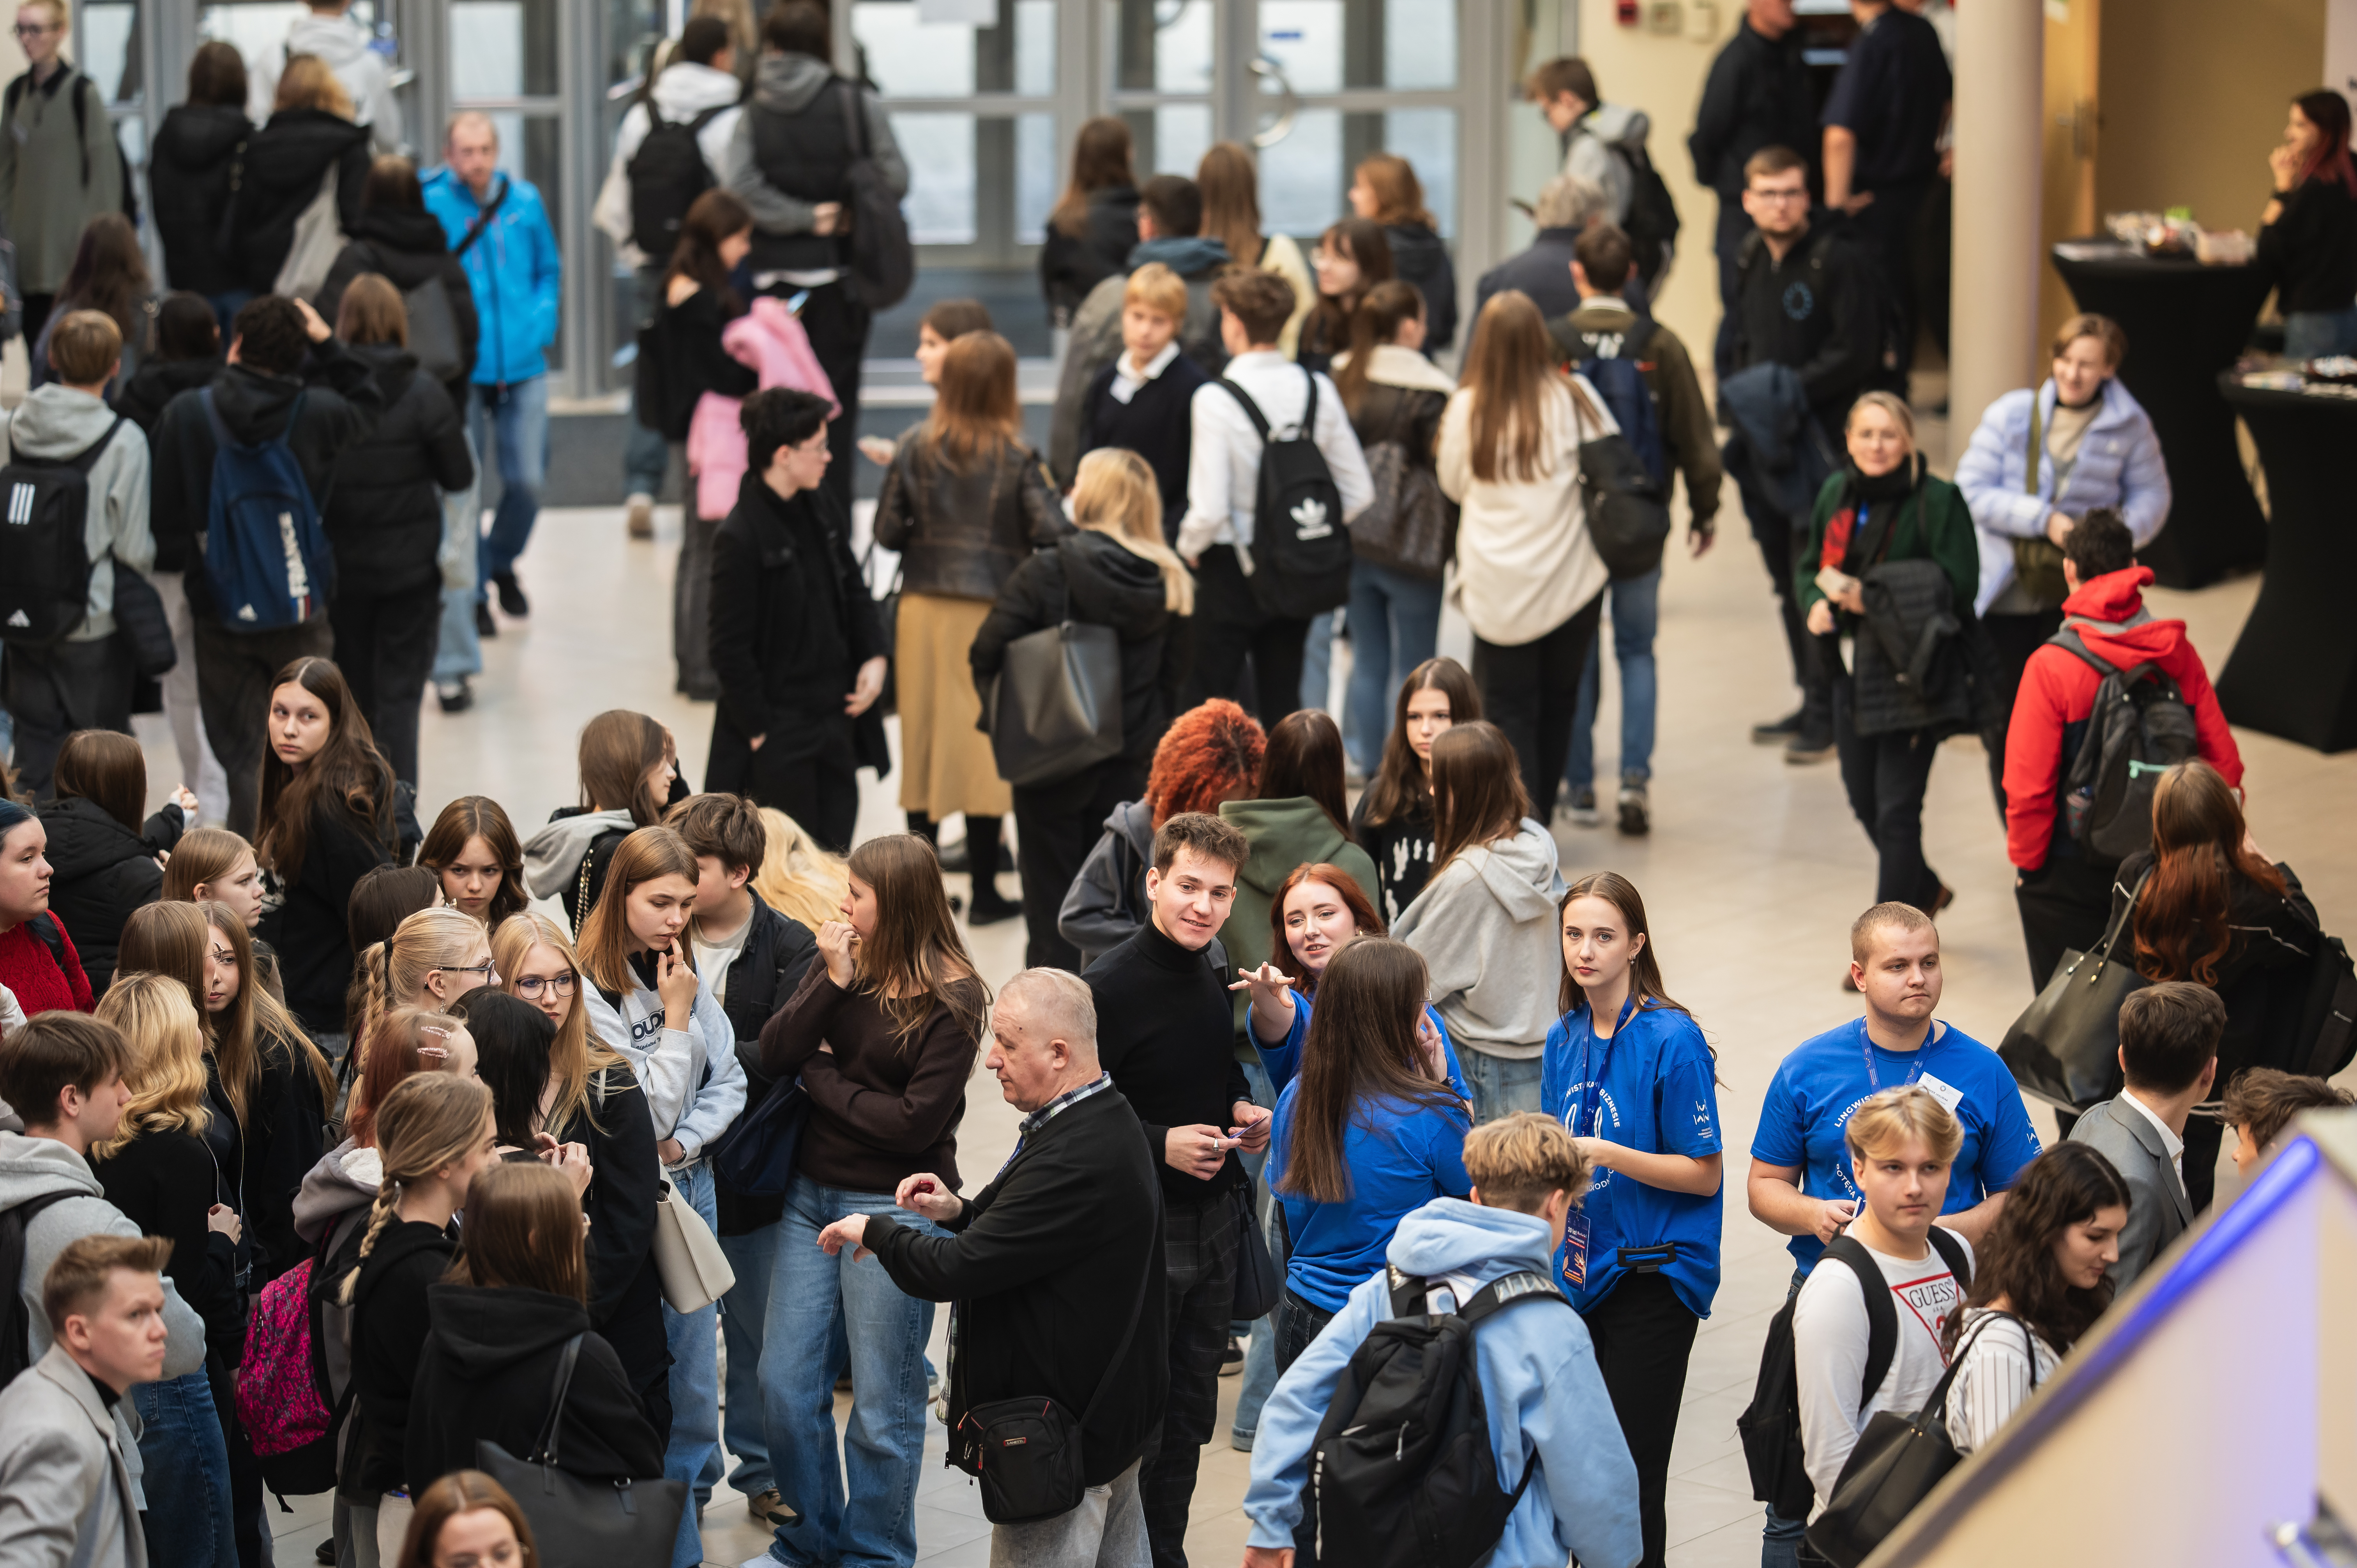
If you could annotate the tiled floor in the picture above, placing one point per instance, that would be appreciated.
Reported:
(1751, 875)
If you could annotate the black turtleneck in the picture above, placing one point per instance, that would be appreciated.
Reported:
(1166, 1032)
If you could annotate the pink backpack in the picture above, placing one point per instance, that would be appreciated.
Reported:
(293, 1387)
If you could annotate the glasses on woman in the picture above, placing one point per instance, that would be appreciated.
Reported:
(532, 986)
(486, 969)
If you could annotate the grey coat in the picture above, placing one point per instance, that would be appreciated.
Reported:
(65, 1494)
(2159, 1209)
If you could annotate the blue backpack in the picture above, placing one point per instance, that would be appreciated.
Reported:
(266, 556)
(1622, 384)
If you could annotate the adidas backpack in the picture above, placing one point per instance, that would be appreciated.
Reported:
(666, 174)
(267, 556)
(2138, 728)
(1301, 551)
(45, 563)
(295, 1386)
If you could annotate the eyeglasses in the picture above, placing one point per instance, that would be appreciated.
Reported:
(34, 29)
(532, 985)
(486, 969)
(1801, 195)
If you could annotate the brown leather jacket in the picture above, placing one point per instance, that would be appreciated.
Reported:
(962, 533)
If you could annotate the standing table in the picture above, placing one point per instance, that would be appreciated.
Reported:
(2185, 324)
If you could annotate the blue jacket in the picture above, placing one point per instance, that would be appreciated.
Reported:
(516, 270)
(1539, 1382)
(1776, 447)
(2119, 466)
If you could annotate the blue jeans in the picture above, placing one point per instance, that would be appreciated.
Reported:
(512, 422)
(646, 456)
(1636, 608)
(225, 309)
(742, 1312)
(694, 1375)
(189, 1522)
(1395, 624)
(1317, 662)
(816, 1300)
(460, 651)
(1500, 1086)
(2313, 334)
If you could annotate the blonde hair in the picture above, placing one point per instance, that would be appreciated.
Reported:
(1890, 403)
(308, 84)
(395, 971)
(1889, 914)
(166, 1039)
(574, 1054)
(1156, 287)
(1116, 494)
(1520, 1161)
(797, 876)
(1897, 1115)
(429, 1121)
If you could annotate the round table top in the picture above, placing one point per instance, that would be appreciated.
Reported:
(2339, 398)
(2110, 258)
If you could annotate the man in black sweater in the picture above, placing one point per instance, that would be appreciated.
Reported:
(1166, 1033)
(1052, 1269)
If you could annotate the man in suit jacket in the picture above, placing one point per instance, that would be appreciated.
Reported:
(66, 1495)
(1044, 1265)
(2168, 1052)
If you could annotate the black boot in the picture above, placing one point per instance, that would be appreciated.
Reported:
(981, 849)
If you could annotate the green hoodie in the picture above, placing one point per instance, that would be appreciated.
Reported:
(1284, 835)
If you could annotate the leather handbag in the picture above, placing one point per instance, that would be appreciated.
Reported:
(2065, 1047)
(1054, 707)
(694, 1271)
(613, 1523)
(1409, 527)
(1628, 520)
(756, 1156)
(1259, 1282)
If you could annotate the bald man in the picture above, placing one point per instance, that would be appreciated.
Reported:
(1055, 1268)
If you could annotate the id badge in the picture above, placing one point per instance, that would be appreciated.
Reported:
(1575, 1249)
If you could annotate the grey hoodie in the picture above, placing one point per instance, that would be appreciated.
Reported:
(1485, 925)
(1588, 152)
(345, 1179)
(55, 421)
(1106, 903)
(786, 84)
(551, 856)
(343, 45)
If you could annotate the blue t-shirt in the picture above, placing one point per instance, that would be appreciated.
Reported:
(1816, 1088)
(1400, 1156)
(1281, 1062)
(1657, 1094)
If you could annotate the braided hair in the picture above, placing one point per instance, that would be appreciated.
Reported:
(428, 1121)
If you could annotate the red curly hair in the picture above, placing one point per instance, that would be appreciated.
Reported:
(1210, 755)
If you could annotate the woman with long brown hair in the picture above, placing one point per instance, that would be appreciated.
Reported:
(965, 501)
(1485, 922)
(1528, 576)
(2308, 233)
(191, 162)
(400, 240)
(1367, 1133)
(629, 778)
(1351, 258)
(109, 276)
(1384, 190)
(1095, 227)
(883, 1035)
(472, 851)
(105, 861)
(1392, 821)
(467, 1519)
(1230, 182)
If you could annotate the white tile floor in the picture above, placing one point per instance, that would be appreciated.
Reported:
(1751, 874)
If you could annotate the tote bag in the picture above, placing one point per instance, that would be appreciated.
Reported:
(319, 240)
(2065, 1047)
(694, 1271)
(1055, 706)
(576, 1521)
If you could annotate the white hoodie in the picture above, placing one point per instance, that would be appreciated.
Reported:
(344, 45)
(683, 91)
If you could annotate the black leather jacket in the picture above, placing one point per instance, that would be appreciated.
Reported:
(963, 531)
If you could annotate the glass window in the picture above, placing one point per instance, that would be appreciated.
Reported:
(1170, 138)
(911, 58)
(940, 149)
(1419, 44)
(110, 49)
(1302, 177)
(1427, 139)
(1035, 48)
(1036, 178)
(1305, 38)
(1162, 46)
(503, 49)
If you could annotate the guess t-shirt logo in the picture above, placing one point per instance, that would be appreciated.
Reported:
(1931, 1299)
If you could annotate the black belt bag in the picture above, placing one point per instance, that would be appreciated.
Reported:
(1648, 1260)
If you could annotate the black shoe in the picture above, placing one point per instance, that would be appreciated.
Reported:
(1234, 1361)
(1780, 733)
(1636, 808)
(326, 1554)
(959, 857)
(456, 696)
(989, 911)
(512, 599)
(484, 625)
(1809, 746)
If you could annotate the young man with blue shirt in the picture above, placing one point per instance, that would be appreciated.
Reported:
(1802, 1181)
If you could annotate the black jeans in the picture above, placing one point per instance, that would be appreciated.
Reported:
(1056, 825)
(1886, 776)
(1300, 1320)
(691, 602)
(837, 324)
(1642, 1334)
(2064, 903)
(1531, 691)
(1887, 224)
(1773, 533)
(1198, 1247)
(1231, 624)
(2011, 641)
(54, 690)
(819, 788)
(385, 648)
(235, 671)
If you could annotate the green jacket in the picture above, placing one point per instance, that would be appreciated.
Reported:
(43, 194)
(1689, 439)
(1933, 524)
(1285, 835)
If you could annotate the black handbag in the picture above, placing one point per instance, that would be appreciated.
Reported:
(1409, 528)
(1627, 514)
(139, 616)
(756, 1156)
(614, 1523)
(1259, 1282)
(2065, 1047)
(1054, 707)
(888, 618)
(1898, 1460)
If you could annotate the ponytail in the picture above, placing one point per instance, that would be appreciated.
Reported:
(428, 1121)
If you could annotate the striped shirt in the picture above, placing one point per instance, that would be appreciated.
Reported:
(1995, 1378)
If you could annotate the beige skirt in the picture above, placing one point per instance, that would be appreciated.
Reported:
(945, 761)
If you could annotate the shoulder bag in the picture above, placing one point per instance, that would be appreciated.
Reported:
(614, 1523)
(694, 1271)
(2065, 1047)
(755, 1157)
(1408, 527)
(1054, 707)
(1628, 522)
(2038, 559)
(319, 240)
(1260, 1282)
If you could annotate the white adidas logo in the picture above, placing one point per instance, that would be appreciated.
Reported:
(20, 504)
(245, 612)
(20, 618)
(1309, 520)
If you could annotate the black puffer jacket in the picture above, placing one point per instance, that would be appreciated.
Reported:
(190, 165)
(1421, 257)
(384, 515)
(963, 531)
(284, 165)
(1071, 265)
(407, 249)
(103, 871)
(156, 382)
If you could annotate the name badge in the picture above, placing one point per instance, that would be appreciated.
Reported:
(1575, 1249)
(1947, 1094)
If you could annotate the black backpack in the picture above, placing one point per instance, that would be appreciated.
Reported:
(1415, 1382)
(883, 261)
(1652, 221)
(667, 174)
(1301, 551)
(16, 1319)
(45, 562)
(1770, 1426)
(2139, 727)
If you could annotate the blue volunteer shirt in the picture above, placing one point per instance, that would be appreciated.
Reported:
(1282, 1061)
(1816, 1088)
(1401, 1156)
(1652, 1088)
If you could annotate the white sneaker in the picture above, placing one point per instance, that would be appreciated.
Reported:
(763, 1561)
(642, 515)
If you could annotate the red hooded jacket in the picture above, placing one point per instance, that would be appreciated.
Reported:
(2058, 692)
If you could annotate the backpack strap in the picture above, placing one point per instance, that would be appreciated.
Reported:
(1309, 413)
(1408, 1292)
(483, 219)
(1251, 409)
(2037, 448)
(855, 128)
(696, 126)
(84, 461)
(1881, 1317)
(1952, 1252)
(45, 927)
(1504, 1292)
(546, 1450)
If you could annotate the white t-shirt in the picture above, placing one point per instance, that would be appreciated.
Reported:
(1994, 1380)
(1829, 1335)
(715, 959)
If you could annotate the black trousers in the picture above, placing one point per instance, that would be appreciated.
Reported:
(1300, 1320)
(1778, 543)
(691, 602)
(837, 324)
(235, 671)
(1642, 1334)
(1886, 776)
(1056, 825)
(1734, 224)
(1531, 691)
(1230, 625)
(1198, 1247)
(2011, 641)
(819, 788)
(1888, 225)
(2064, 904)
(54, 690)
(385, 648)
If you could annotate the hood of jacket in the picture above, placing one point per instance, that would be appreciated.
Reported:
(338, 40)
(485, 1331)
(1450, 1236)
(2128, 634)
(255, 405)
(1110, 587)
(395, 367)
(32, 1167)
(1190, 255)
(346, 1179)
(55, 421)
(1392, 366)
(299, 145)
(84, 838)
(686, 89)
(787, 83)
(197, 135)
(397, 1244)
(390, 230)
(1134, 821)
(1520, 871)
(1285, 834)
(1618, 122)
(2119, 406)
(158, 381)
(1417, 251)
(551, 856)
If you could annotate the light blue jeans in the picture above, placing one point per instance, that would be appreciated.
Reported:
(189, 1520)
(2313, 334)
(814, 1301)
(694, 1376)
(512, 423)
(1260, 1350)
(1635, 605)
(1317, 662)
(459, 652)
(742, 1313)
(1500, 1086)
(1395, 626)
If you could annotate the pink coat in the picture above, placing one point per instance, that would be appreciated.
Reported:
(771, 340)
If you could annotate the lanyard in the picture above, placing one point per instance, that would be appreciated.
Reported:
(1923, 1057)
(1603, 1069)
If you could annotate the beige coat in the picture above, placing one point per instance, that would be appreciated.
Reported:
(1525, 562)
(66, 1497)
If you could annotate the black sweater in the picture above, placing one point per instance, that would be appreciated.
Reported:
(287, 164)
(625, 1291)
(1810, 312)
(265, 1160)
(102, 871)
(1402, 851)
(1046, 1264)
(1071, 265)
(309, 930)
(165, 1183)
(390, 1323)
(407, 249)
(1157, 424)
(156, 382)
(1166, 1030)
(486, 1372)
(791, 621)
(2312, 248)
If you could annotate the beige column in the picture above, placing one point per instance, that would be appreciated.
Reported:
(1993, 331)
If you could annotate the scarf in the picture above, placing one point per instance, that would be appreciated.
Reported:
(1860, 494)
